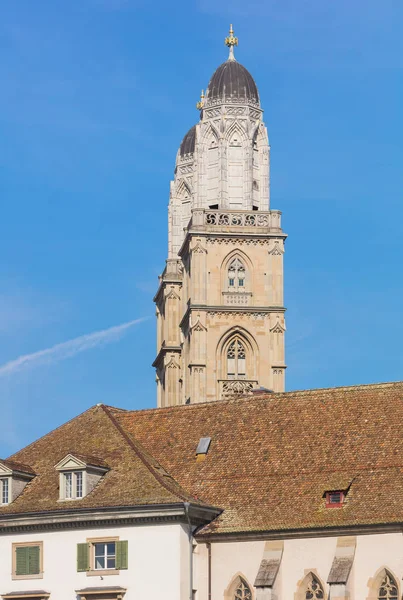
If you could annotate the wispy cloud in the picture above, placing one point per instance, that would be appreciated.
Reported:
(67, 349)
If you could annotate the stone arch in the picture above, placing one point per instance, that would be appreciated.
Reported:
(225, 265)
(236, 146)
(383, 576)
(248, 342)
(235, 130)
(311, 588)
(210, 134)
(239, 582)
(183, 190)
(212, 164)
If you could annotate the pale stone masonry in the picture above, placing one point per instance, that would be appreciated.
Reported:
(220, 308)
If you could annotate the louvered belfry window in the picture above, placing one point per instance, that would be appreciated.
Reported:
(388, 589)
(236, 276)
(242, 591)
(236, 360)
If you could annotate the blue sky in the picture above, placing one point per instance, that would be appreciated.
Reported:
(96, 96)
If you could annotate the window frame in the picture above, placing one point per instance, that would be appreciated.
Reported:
(5, 480)
(92, 571)
(238, 361)
(73, 474)
(236, 272)
(330, 504)
(16, 545)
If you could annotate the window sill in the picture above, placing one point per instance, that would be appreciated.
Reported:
(71, 499)
(102, 572)
(36, 576)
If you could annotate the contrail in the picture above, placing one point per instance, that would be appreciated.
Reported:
(68, 349)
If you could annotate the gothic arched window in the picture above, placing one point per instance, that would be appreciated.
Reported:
(236, 276)
(236, 360)
(242, 591)
(314, 590)
(388, 588)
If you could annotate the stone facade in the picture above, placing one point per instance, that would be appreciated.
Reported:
(220, 311)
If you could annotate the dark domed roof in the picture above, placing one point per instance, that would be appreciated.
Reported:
(188, 142)
(232, 81)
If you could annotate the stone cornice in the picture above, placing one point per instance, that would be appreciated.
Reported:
(101, 517)
(243, 536)
(164, 350)
(247, 310)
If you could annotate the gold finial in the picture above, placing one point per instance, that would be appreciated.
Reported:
(231, 41)
(200, 104)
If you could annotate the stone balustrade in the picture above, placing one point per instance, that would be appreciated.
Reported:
(236, 219)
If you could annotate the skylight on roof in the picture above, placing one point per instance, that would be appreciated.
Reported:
(203, 446)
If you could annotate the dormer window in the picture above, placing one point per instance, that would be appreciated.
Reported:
(79, 475)
(335, 499)
(73, 485)
(13, 479)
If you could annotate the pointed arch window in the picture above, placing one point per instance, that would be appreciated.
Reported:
(388, 588)
(236, 276)
(236, 360)
(314, 590)
(242, 591)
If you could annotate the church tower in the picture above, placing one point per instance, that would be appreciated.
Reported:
(220, 313)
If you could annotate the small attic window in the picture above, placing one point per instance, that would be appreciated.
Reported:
(202, 448)
(335, 499)
(78, 475)
(14, 477)
(4, 490)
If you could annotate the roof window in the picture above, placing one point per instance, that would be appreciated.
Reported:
(335, 499)
(78, 475)
(13, 479)
(202, 448)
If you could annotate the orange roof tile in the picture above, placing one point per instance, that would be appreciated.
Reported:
(270, 461)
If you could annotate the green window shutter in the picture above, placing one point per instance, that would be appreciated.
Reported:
(34, 562)
(21, 560)
(83, 557)
(122, 555)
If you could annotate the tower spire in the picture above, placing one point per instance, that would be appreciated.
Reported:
(231, 41)
(200, 104)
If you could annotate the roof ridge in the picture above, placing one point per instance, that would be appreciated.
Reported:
(261, 396)
(145, 457)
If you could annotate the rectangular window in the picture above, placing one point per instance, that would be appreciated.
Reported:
(240, 282)
(68, 485)
(73, 484)
(334, 499)
(231, 282)
(105, 556)
(79, 484)
(28, 560)
(102, 556)
(4, 489)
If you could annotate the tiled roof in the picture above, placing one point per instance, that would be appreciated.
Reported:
(134, 477)
(17, 466)
(273, 456)
(270, 461)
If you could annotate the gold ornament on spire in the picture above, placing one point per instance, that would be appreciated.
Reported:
(231, 41)
(200, 104)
